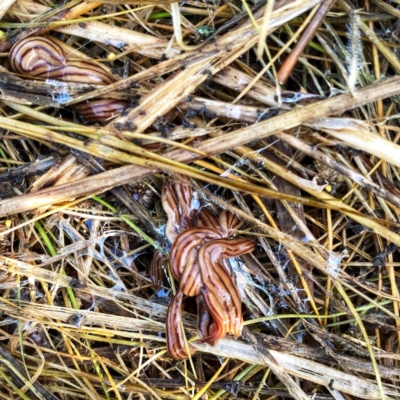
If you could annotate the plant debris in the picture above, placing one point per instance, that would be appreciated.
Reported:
(199, 199)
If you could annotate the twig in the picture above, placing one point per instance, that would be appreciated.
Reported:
(291, 60)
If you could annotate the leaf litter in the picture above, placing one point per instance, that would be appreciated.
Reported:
(309, 165)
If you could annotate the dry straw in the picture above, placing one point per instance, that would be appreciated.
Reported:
(312, 167)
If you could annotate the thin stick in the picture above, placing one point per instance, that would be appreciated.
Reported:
(288, 65)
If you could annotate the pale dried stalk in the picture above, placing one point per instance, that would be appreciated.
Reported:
(8, 265)
(344, 129)
(60, 174)
(179, 133)
(4, 6)
(93, 322)
(231, 77)
(158, 102)
(137, 42)
(300, 367)
(276, 368)
(298, 248)
(159, 162)
(178, 20)
(238, 80)
(332, 106)
(213, 57)
(109, 148)
(357, 134)
(123, 175)
(387, 7)
(141, 43)
(222, 109)
(64, 15)
(45, 313)
(264, 29)
(169, 94)
(351, 173)
(228, 77)
(322, 196)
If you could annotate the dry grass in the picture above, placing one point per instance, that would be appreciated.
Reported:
(313, 167)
